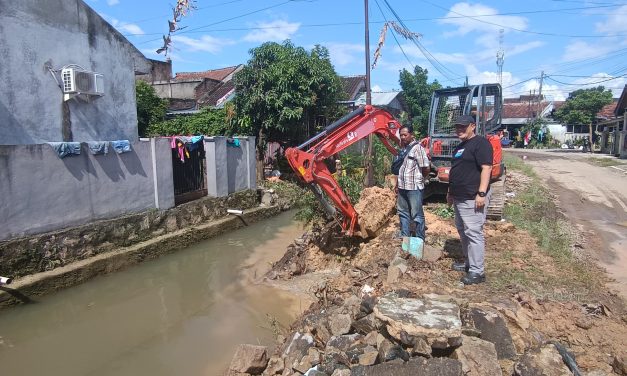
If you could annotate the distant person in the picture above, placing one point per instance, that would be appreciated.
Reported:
(469, 193)
(411, 166)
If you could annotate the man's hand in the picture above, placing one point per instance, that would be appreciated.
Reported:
(479, 202)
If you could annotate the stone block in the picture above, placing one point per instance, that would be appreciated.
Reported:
(494, 329)
(435, 320)
(478, 357)
(418, 366)
(249, 359)
(546, 362)
(340, 324)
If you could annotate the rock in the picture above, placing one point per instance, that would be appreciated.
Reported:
(355, 352)
(369, 357)
(310, 360)
(365, 324)
(390, 351)
(437, 321)
(418, 366)
(267, 199)
(619, 364)
(371, 338)
(431, 254)
(478, 357)
(546, 362)
(344, 342)
(494, 329)
(374, 209)
(341, 372)
(317, 323)
(249, 359)
(596, 373)
(333, 360)
(367, 304)
(275, 366)
(340, 324)
(421, 348)
(297, 348)
(397, 268)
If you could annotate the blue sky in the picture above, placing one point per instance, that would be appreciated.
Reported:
(577, 43)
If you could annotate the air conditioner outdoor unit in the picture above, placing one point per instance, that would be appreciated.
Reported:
(77, 81)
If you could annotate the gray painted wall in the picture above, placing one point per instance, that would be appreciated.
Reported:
(230, 169)
(35, 34)
(41, 192)
(179, 90)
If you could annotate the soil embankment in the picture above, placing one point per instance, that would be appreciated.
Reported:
(379, 311)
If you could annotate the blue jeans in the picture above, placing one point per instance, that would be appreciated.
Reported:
(409, 207)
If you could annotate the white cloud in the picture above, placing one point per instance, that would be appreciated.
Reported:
(467, 24)
(579, 50)
(615, 22)
(376, 89)
(125, 27)
(205, 43)
(275, 31)
(113, 2)
(343, 54)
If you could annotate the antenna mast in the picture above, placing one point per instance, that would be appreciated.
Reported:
(500, 55)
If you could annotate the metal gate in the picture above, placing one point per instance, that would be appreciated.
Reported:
(189, 172)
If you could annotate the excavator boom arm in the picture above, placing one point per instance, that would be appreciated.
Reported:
(307, 160)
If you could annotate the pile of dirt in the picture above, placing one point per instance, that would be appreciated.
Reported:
(374, 209)
(540, 299)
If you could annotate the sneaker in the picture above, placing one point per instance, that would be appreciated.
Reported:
(473, 278)
(460, 267)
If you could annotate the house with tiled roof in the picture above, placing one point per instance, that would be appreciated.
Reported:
(188, 92)
(612, 126)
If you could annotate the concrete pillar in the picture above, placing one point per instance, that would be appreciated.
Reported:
(216, 160)
(161, 166)
(248, 146)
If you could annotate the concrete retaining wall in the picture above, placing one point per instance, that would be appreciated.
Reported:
(45, 252)
(26, 290)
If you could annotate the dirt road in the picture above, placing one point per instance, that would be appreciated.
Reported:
(594, 198)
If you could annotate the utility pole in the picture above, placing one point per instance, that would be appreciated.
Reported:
(369, 178)
(540, 95)
(500, 58)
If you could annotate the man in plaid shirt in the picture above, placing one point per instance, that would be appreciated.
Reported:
(410, 184)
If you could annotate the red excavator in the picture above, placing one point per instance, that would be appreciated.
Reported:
(308, 159)
(484, 102)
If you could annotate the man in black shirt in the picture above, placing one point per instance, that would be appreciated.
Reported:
(469, 193)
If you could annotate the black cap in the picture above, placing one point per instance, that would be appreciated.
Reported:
(464, 120)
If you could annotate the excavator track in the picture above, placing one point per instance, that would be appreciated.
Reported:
(497, 201)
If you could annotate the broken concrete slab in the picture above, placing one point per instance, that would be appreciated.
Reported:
(478, 357)
(397, 268)
(494, 329)
(435, 320)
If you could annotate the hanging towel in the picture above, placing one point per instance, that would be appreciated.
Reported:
(233, 142)
(63, 149)
(121, 146)
(98, 147)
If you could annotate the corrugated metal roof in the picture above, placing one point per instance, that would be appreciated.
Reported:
(378, 99)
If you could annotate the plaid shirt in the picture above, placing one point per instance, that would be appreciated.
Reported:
(410, 176)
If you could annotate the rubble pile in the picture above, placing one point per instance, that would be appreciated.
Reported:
(384, 312)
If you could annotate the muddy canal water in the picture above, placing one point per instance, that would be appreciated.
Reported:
(182, 314)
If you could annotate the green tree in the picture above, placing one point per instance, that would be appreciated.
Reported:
(285, 94)
(418, 91)
(582, 105)
(208, 122)
(150, 108)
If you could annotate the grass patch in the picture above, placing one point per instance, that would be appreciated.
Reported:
(559, 275)
(515, 163)
(605, 162)
(442, 210)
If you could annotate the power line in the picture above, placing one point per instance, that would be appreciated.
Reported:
(520, 30)
(587, 83)
(226, 20)
(407, 20)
